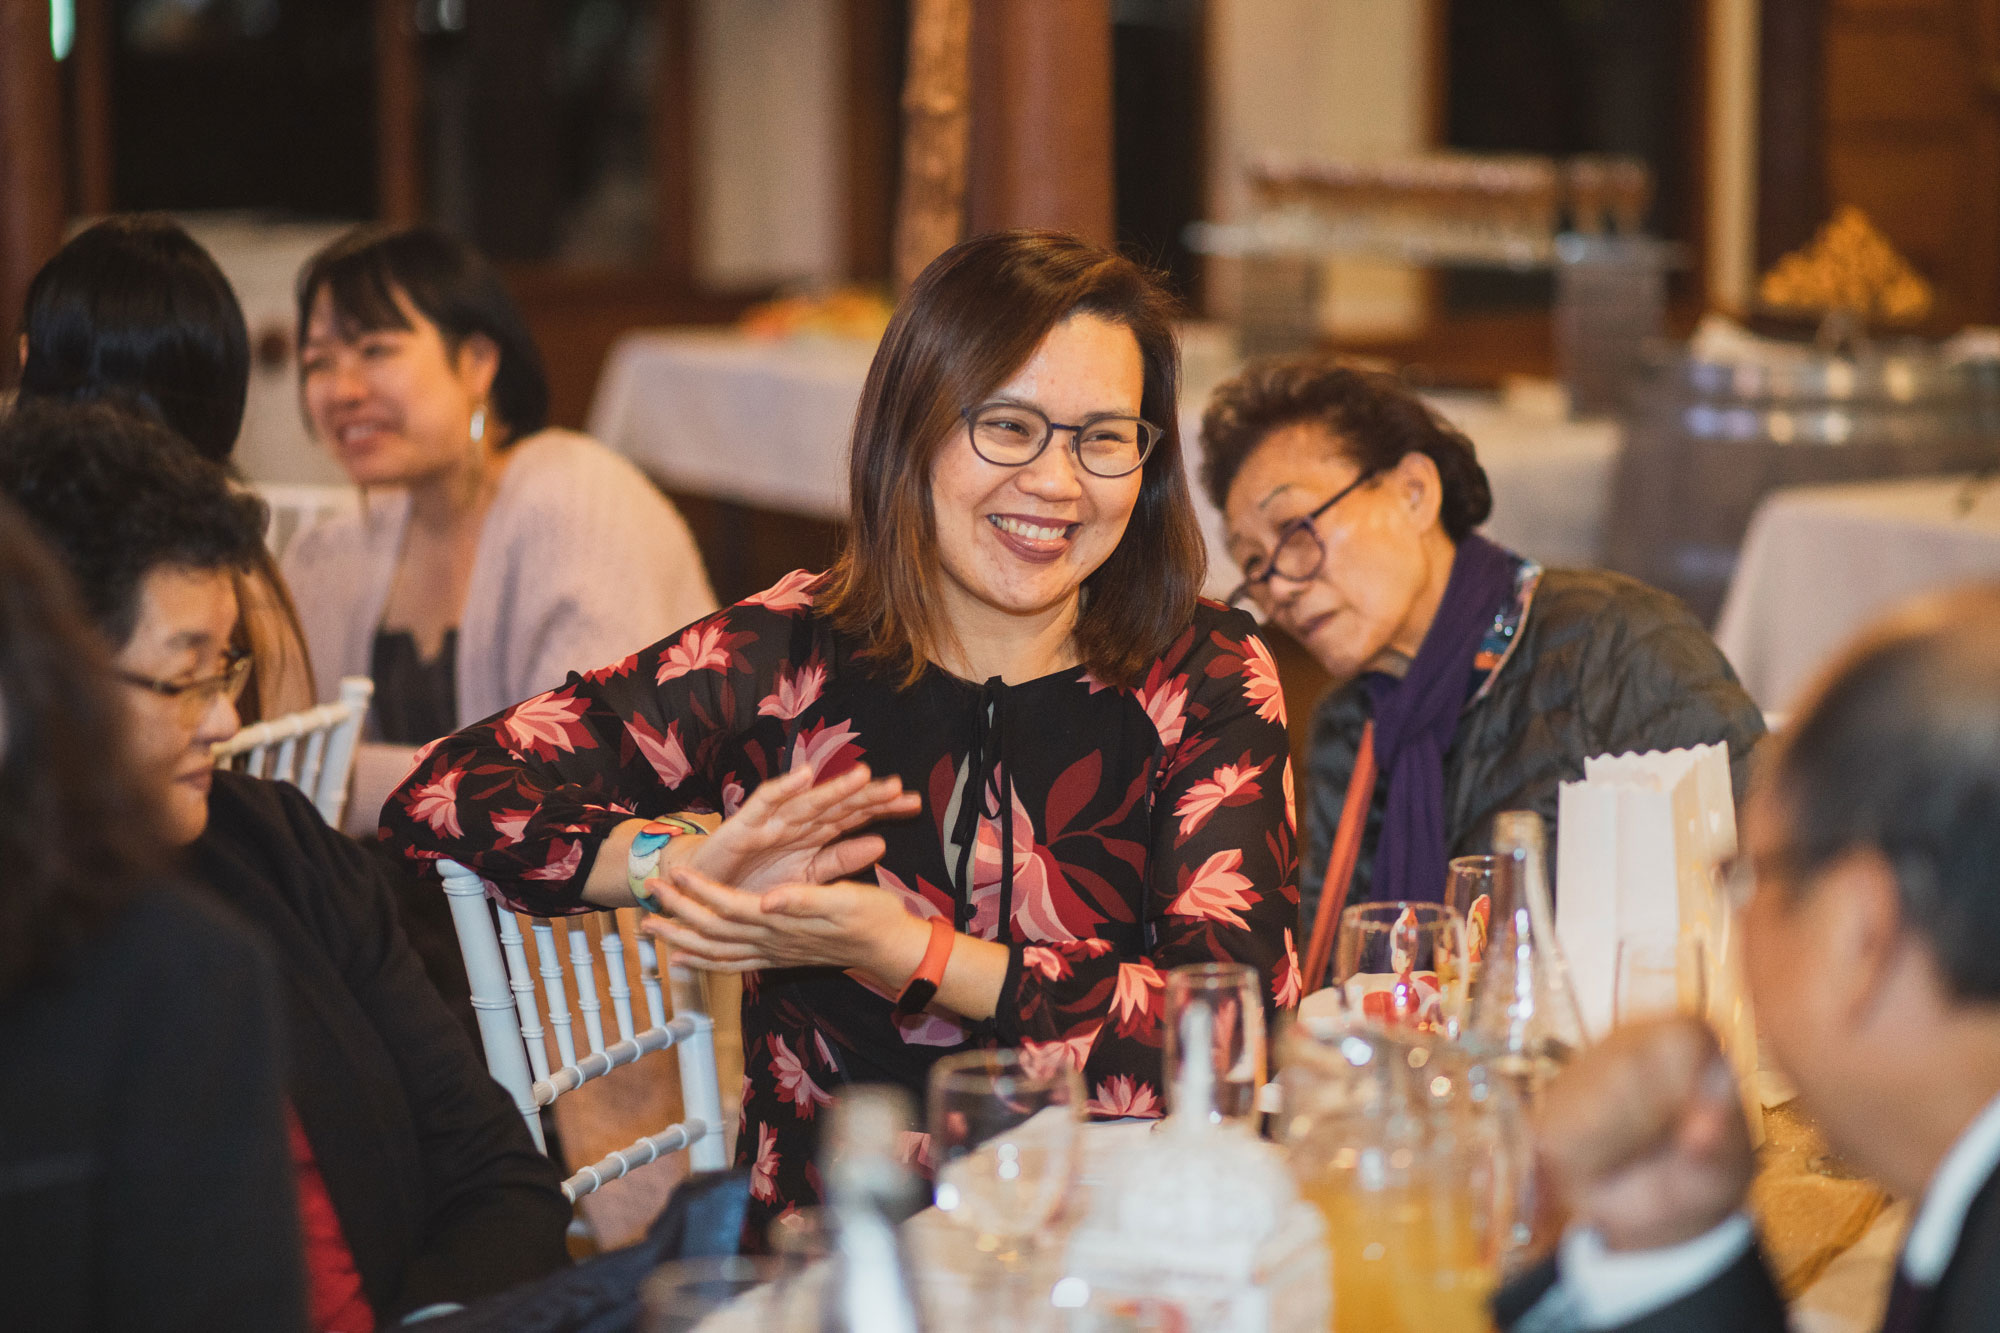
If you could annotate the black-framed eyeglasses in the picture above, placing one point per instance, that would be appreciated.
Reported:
(1014, 435)
(1300, 551)
(197, 696)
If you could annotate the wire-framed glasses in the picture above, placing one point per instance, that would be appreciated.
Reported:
(198, 695)
(1300, 551)
(1014, 434)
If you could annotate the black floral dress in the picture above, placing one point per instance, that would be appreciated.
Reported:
(1118, 833)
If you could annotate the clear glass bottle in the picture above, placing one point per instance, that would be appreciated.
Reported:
(869, 1189)
(1524, 1020)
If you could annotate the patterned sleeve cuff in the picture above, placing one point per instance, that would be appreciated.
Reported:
(1005, 1025)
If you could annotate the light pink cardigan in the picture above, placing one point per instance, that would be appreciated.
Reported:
(581, 562)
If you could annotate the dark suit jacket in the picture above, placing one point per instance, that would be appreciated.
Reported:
(1745, 1300)
(145, 1176)
(440, 1192)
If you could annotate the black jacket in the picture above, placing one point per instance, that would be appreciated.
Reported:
(145, 1175)
(1744, 1299)
(1601, 664)
(440, 1191)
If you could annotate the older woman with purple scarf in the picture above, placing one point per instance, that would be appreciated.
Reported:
(1468, 680)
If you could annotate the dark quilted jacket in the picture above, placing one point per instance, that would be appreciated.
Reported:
(1604, 664)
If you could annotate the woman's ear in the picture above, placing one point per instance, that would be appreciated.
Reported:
(1416, 488)
(477, 363)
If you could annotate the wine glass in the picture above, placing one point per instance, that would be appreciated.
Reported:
(1402, 965)
(1004, 1130)
(1658, 977)
(1468, 892)
(1234, 998)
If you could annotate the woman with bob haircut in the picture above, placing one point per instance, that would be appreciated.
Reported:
(474, 572)
(983, 782)
(132, 310)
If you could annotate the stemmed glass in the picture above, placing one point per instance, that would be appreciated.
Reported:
(1233, 997)
(1468, 892)
(1004, 1132)
(1402, 965)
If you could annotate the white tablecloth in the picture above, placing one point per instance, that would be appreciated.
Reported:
(1820, 562)
(766, 424)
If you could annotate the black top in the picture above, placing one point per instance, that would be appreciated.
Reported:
(440, 1191)
(415, 701)
(145, 1175)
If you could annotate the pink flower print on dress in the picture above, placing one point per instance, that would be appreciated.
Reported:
(1232, 784)
(732, 797)
(828, 749)
(1135, 1002)
(436, 803)
(564, 858)
(546, 726)
(1037, 878)
(794, 1084)
(1124, 1095)
(1218, 891)
(790, 593)
(1043, 1058)
(764, 1174)
(510, 825)
(1165, 700)
(1261, 685)
(664, 752)
(599, 675)
(915, 1149)
(796, 692)
(1045, 963)
(706, 645)
(1290, 980)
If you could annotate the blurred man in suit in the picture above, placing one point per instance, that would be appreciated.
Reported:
(1873, 943)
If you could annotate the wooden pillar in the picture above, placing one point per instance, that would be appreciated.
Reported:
(32, 186)
(399, 177)
(936, 135)
(1791, 127)
(91, 62)
(1041, 117)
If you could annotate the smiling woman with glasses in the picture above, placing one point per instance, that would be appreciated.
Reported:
(1466, 677)
(1082, 767)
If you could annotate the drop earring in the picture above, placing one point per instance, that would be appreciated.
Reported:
(479, 423)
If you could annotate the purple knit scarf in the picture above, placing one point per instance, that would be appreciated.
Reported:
(1416, 716)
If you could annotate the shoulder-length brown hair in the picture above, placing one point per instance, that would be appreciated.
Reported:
(971, 319)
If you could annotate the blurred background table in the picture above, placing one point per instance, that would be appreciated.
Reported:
(1821, 561)
(764, 424)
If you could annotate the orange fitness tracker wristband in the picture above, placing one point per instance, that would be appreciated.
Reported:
(923, 985)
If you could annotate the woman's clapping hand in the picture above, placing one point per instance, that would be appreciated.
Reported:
(793, 829)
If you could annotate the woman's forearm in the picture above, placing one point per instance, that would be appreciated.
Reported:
(973, 975)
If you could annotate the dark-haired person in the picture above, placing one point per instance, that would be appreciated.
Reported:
(145, 1181)
(1092, 763)
(1872, 951)
(418, 1183)
(491, 554)
(133, 309)
(1478, 680)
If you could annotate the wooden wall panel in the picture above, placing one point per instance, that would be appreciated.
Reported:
(1913, 138)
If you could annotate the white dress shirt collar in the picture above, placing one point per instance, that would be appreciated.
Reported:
(1941, 1216)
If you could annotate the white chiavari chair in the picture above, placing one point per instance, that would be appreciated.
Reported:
(510, 1008)
(312, 749)
(296, 506)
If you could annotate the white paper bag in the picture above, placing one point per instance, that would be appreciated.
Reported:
(1636, 846)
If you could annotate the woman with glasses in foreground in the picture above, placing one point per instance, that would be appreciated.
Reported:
(415, 1183)
(982, 783)
(1468, 680)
